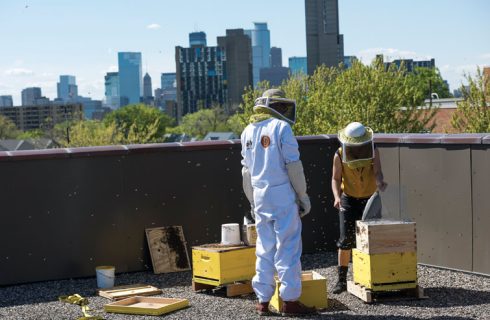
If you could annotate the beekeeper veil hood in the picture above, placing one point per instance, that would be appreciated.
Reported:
(274, 102)
(357, 145)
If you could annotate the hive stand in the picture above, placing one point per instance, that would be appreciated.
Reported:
(231, 289)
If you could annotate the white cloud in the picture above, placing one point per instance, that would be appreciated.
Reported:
(18, 72)
(153, 26)
(112, 68)
(485, 56)
(390, 54)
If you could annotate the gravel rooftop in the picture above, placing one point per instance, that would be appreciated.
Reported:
(452, 295)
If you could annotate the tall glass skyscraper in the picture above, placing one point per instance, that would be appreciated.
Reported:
(67, 88)
(112, 99)
(261, 48)
(130, 77)
(324, 43)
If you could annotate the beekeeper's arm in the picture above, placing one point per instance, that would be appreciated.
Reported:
(290, 152)
(380, 183)
(336, 180)
(247, 184)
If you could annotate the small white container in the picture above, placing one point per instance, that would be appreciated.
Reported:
(230, 234)
(105, 276)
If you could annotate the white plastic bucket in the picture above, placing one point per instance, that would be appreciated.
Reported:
(230, 234)
(105, 276)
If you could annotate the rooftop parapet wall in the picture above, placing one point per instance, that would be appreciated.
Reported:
(65, 211)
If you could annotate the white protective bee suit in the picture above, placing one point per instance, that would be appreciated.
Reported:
(274, 183)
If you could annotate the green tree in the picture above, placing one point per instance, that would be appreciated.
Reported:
(199, 123)
(139, 123)
(93, 133)
(426, 78)
(8, 130)
(238, 121)
(385, 100)
(473, 113)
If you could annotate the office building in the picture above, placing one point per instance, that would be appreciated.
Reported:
(348, 61)
(324, 43)
(111, 83)
(298, 65)
(6, 101)
(261, 47)
(197, 39)
(238, 48)
(275, 75)
(130, 77)
(411, 64)
(168, 80)
(30, 96)
(201, 78)
(31, 117)
(276, 57)
(67, 88)
(147, 90)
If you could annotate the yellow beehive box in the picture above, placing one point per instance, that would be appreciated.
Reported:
(385, 236)
(313, 291)
(385, 271)
(217, 265)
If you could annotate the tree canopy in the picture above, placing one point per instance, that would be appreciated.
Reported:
(473, 113)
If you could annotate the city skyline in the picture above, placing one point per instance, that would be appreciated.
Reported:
(81, 38)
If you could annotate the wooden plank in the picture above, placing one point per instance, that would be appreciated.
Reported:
(168, 249)
(122, 292)
(146, 305)
(359, 291)
(238, 289)
(198, 286)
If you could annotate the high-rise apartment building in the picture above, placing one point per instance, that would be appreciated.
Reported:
(31, 96)
(112, 98)
(324, 43)
(261, 47)
(276, 57)
(67, 88)
(298, 65)
(197, 39)
(130, 77)
(201, 78)
(238, 48)
(6, 101)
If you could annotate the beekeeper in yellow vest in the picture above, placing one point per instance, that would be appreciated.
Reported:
(275, 185)
(356, 175)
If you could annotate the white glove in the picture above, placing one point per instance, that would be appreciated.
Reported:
(248, 190)
(298, 181)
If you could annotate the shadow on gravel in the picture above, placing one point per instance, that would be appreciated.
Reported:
(49, 291)
(445, 297)
(374, 317)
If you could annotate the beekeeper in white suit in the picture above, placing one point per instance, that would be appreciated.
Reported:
(275, 185)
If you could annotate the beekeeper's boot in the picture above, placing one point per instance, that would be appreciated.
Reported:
(341, 285)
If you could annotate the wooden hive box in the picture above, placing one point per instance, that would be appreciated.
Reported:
(313, 291)
(217, 265)
(385, 271)
(385, 236)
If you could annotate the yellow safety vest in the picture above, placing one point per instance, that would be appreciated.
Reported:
(359, 182)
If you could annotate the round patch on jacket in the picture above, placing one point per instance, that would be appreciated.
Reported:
(265, 141)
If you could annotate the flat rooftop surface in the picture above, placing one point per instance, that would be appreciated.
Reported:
(452, 295)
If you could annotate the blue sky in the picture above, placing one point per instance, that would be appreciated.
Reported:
(41, 39)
